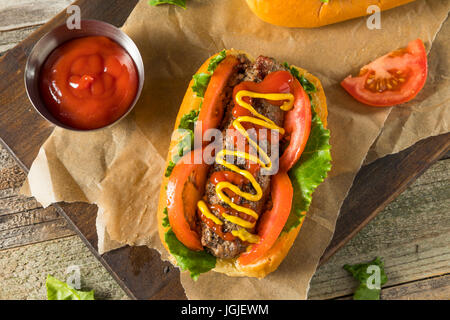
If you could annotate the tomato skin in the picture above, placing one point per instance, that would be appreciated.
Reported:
(181, 207)
(412, 61)
(212, 110)
(297, 123)
(272, 221)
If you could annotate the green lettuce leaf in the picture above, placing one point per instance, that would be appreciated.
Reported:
(359, 272)
(165, 220)
(187, 123)
(186, 144)
(196, 262)
(310, 171)
(188, 120)
(307, 85)
(169, 168)
(214, 62)
(201, 81)
(58, 290)
(180, 3)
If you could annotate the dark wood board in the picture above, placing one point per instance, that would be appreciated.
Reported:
(139, 270)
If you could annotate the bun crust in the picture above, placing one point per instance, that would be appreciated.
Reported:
(278, 252)
(314, 13)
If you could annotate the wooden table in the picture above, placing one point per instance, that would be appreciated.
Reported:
(412, 233)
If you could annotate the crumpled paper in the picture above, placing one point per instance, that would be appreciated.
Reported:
(120, 168)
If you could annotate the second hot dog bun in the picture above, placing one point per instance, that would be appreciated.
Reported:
(315, 13)
(278, 252)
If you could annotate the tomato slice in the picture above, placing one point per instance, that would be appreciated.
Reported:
(392, 79)
(272, 221)
(297, 124)
(212, 108)
(185, 188)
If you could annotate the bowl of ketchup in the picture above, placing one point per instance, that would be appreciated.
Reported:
(84, 79)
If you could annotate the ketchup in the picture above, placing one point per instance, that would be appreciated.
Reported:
(89, 82)
(230, 176)
(221, 209)
(227, 236)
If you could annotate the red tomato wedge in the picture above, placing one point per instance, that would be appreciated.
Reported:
(212, 109)
(185, 188)
(392, 79)
(272, 221)
(297, 123)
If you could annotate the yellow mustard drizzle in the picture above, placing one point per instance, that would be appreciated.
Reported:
(266, 163)
(205, 210)
(244, 235)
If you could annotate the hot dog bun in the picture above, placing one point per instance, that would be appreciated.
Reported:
(315, 13)
(275, 256)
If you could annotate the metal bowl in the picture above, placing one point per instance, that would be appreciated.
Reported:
(58, 36)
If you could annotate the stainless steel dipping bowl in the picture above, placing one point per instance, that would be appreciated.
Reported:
(57, 37)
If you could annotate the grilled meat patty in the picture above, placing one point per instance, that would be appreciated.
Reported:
(245, 71)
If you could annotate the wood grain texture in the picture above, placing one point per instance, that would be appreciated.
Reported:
(139, 270)
(412, 234)
(429, 289)
(23, 270)
(8, 39)
(436, 288)
(22, 220)
(17, 14)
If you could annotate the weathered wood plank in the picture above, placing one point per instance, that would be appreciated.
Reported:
(32, 227)
(436, 288)
(412, 234)
(23, 270)
(17, 14)
(22, 219)
(8, 39)
(429, 289)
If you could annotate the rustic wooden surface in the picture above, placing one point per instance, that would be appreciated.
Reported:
(411, 234)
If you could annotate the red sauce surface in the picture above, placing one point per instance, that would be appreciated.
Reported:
(227, 236)
(89, 82)
(221, 210)
(230, 176)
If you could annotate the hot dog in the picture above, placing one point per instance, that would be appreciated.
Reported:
(315, 13)
(237, 214)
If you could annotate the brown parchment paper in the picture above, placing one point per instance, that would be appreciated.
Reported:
(120, 168)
